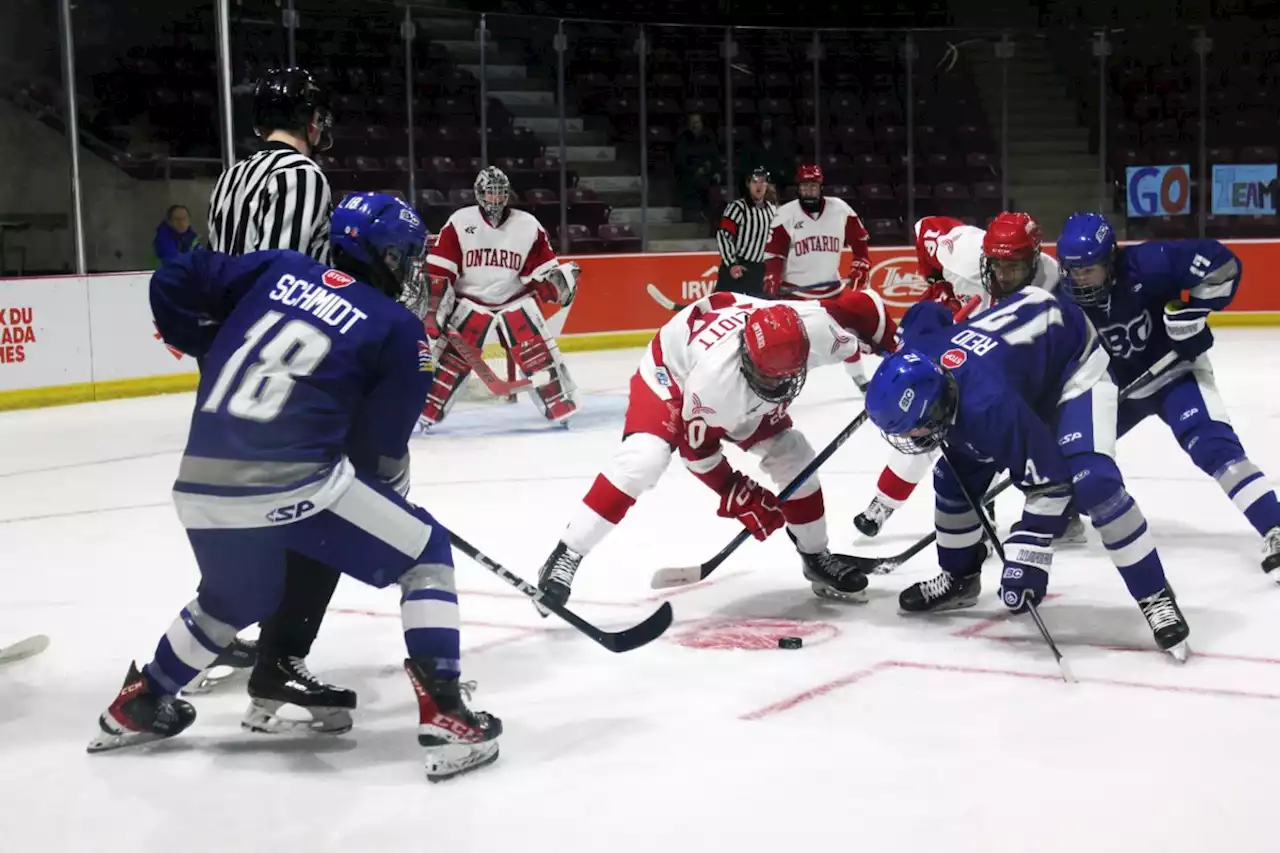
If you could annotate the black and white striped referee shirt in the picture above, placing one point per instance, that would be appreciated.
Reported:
(744, 229)
(276, 199)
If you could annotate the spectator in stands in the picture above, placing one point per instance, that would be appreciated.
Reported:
(697, 162)
(771, 149)
(174, 235)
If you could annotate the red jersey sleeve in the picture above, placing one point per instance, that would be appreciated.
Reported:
(927, 233)
(776, 250)
(856, 237)
(863, 313)
(445, 260)
(540, 257)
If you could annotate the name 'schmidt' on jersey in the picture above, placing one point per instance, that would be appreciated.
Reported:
(320, 302)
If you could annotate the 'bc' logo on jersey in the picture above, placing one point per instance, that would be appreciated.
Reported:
(1124, 339)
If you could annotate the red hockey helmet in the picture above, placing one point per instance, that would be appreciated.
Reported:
(809, 173)
(1010, 253)
(775, 353)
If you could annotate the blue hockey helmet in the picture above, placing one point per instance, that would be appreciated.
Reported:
(1086, 251)
(378, 238)
(912, 400)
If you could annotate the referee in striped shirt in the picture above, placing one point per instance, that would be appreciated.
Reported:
(743, 232)
(280, 199)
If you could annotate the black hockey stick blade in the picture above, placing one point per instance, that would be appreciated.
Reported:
(662, 299)
(684, 575)
(615, 641)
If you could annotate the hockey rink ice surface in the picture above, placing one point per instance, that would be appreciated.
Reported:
(883, 733)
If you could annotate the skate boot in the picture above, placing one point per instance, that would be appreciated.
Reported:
(138, 716)
(944, 592)
(1168, 626)
(1271, 550)
(1074, 534)
(835, 576)
(239, 657)
(871, 519)
(287, 681)
(555, 578)
(455, 739)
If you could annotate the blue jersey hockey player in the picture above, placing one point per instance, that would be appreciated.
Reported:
(1134, 297)
(1024, 387)
(312, 380)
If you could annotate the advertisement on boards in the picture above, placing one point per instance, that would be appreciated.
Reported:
(1158, 190)
(44, 332)
(1244, 189)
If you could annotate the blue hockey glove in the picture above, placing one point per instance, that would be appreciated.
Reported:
(1027, 558)
(1188, 330)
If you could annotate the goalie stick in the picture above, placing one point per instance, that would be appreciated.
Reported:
(885, 565)
(475, 360)
(682, 575)
(615, 641)
(29, 647)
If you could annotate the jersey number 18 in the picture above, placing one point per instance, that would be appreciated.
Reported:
(295, 350)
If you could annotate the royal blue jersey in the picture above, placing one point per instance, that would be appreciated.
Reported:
(1014, 365)
(302, 368)
(1145, 278)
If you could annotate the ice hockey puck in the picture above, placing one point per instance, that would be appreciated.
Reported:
(790, 642)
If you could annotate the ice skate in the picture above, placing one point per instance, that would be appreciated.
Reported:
(941, 593)
(835, 576)
(138, 716)
(555, 578)
(1271, 552)
(237, 660)
(1168, 625)
(454, 738)
(287, 681)
(1074, 534)
(871, 519)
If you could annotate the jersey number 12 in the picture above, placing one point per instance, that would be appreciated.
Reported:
(295, 350)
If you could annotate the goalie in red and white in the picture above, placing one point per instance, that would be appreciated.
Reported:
(802, 255)
(492, 264)
(961, 262)
(725, 369)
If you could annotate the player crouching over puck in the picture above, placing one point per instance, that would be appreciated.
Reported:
(725, 369)
(311, 383)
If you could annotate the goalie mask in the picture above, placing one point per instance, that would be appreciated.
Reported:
(775, 353)
(493, 191)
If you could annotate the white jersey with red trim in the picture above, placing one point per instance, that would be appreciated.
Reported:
(809, 245)
(696, 357)
(491, 265)
(958, 253)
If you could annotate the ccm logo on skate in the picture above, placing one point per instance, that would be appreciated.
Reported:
(455, 727)
(293, 512)
(953, 358)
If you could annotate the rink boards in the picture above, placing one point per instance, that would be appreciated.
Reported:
(71, 339)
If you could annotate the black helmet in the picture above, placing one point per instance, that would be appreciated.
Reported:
(287, 99)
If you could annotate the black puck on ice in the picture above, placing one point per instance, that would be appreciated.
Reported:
(790, 642)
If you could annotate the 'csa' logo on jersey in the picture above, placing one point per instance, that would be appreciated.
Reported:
(1124, 339)
(292, 512)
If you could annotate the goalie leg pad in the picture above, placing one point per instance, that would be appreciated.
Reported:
(536, 354)
(472, 324)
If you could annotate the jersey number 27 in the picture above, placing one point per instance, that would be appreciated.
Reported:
(296, 349)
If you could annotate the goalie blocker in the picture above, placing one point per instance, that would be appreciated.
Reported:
(522, 332)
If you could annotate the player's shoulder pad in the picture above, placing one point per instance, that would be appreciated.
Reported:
(522, 217)
(840, 204)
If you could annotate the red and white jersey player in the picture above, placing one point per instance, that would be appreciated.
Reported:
(806, 240)
(725, 369)
(487, 265)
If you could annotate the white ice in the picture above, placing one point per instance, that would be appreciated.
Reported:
(884, 733)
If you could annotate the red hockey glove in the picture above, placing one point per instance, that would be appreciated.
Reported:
(859, 273)
(752, 504)
(772, 285)
(940, 291)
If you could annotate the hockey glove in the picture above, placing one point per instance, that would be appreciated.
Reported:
(772, 286)
(859, 273)
(1027, 557)
(1188, 330)
(752, 504)
(440, 302)
(558, 287)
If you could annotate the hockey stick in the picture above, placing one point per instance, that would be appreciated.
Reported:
(29, 647)
(885, 565)
(475, 360)
(990, 532)
(663, 300)
(682, 575)
(621, 641)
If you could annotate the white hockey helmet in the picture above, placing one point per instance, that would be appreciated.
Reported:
(493, 191)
